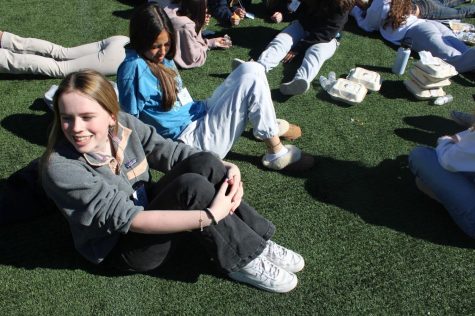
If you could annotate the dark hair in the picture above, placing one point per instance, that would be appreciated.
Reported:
(329, 6)
(146, 23)
(195, 10)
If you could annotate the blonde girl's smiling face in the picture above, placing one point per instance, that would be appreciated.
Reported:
(159, 48)
(85, 123)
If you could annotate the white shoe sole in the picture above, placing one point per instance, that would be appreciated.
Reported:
(294, 87)
(284, 288)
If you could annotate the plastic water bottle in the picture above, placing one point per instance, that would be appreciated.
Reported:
(332, 76)
(325, 83)
(402, 57)
(444, 99)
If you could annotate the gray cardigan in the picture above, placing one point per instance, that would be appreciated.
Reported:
(97, 202)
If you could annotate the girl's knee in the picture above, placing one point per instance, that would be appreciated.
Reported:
(198, 191)
(421, 154)
(422, 160)
(204, 160)
(250, 70)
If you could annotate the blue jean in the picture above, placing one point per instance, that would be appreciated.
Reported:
(191, 185)
(314, 57)
(438, 39)
(455, 190)
(441, 10)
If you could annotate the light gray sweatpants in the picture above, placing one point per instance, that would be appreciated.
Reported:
(314, 57)
(20, 55)
(244, 95)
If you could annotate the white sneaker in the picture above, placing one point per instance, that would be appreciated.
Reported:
(265, 275)
(294, 87)
(48, 96)
(283, 257)
(293, 160)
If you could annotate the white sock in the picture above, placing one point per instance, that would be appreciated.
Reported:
(280, 153)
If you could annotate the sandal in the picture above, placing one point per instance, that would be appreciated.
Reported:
(287, 131)
(293, 160)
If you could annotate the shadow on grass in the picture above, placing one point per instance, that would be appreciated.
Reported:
(46, 242)
(254, 38)
(23, 77)
(466, 79)
(352, 27)
(427, 129)
(378, 69)
(385, 195)
(126, 14)
(31, 127)
(395, 89)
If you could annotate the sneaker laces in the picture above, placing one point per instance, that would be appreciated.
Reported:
(262, 267)
(276, 251)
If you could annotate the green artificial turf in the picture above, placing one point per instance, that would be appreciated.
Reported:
(373, 243)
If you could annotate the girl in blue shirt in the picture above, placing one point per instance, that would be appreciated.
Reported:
(151, 89)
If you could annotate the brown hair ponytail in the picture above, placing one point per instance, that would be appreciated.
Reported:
(146, 23)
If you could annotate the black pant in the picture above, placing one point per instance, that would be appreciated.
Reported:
(190, 185)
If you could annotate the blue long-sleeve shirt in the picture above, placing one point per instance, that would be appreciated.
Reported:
(140, 94)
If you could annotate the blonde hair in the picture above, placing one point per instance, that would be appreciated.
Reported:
(93, 85)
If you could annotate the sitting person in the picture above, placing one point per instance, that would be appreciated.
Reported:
(189, 17)
(435, 9)
(312, 34)
(96, 170)
(447, 174)
(443, 9)
(396, 22)
(228, 12)
(33, 56)
(151, 89)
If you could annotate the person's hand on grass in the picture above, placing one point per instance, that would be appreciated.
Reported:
(222, 42)
(277, 17)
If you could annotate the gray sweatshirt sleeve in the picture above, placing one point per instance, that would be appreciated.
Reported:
(162, 153)
(88, 202)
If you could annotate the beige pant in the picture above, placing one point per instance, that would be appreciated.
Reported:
(20, 55)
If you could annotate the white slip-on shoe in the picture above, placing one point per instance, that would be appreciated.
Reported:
(48, 96)
(293, 160)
